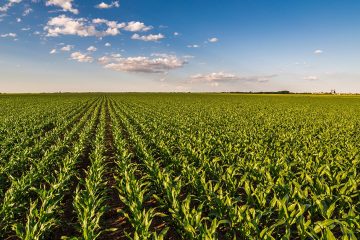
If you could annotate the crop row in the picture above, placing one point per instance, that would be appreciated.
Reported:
(202, 166)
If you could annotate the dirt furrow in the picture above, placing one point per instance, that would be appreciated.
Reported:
(114, 224)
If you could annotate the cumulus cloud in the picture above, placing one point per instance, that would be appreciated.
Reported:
(27, 11)
(92, 49)
(318, 51)
(53, 51)
(107, 44)
(104, 60)
(112, 26)
(9, 4)
(311, 78)
(103, 5)
(63, 25)
(137, 27)
(81, 57)
(218, 77)
(67, 48)
(147, 38)
(66, 5)
(213, 40)
(163, 55)
(193, 46)
(140, 64)
(10, 35)
(214, 77)
(112, 58)
(176, 34)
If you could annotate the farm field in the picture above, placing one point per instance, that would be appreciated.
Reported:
(179, 166)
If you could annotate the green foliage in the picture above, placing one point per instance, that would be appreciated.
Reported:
(194, 166)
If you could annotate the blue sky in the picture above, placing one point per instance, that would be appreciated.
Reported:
(188, 45)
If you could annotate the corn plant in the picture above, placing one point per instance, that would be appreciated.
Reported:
(89, 201)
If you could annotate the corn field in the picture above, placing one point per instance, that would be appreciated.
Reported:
(179, 166)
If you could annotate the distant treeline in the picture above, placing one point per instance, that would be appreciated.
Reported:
(278, 92)
(288, 92)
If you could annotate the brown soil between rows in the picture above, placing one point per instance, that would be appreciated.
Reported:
(114, 224)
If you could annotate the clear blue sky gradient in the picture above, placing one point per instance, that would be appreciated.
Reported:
(267, 45)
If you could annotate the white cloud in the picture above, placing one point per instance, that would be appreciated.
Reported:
(26, 29)
(80, 57)
(155, 64)
(112, 31)
(9, 4)
(107, 44)
(18, 20)
(63, 25)
(217, 77)
(99, 20)
(112, 58)
(11, 35)
(66, 5)
(137, 27)
(176, 34)
(318, 51)
(103, 5)
(163, 55)
(188, 56)
(148, 38)
(27, 12)
(53, 51)
(92, 49)
(67, 48)
(104, 60)
(311, 78)
(214, 77)
(213, 40)
(112, 26)
(193, 46)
